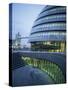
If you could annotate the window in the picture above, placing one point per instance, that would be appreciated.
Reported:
(54, 10)
(50, 68)
(51, 18)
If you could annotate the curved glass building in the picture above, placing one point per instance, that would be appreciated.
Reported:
(49, 30)
(44, 62)
(49, 34)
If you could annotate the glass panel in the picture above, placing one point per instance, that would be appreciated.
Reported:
(49, 67)
(50, 46)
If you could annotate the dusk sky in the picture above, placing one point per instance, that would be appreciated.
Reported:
(23, 17)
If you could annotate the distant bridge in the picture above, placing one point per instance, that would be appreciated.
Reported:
(23, 38)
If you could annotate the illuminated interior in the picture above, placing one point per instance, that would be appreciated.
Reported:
(50, 46)
(50, 68)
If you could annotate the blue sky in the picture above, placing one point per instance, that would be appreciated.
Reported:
(23, 17)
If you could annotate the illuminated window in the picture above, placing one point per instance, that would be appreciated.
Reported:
(52, 69)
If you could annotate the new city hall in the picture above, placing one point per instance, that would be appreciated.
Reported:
(48, 45)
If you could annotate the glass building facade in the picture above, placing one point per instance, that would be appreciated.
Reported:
(49, 30)
(52, 69)
(44, 62)
(49, 34)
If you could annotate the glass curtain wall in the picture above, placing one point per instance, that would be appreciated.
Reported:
(50, 46)
(50, 68)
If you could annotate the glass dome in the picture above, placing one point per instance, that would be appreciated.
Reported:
(49, 29)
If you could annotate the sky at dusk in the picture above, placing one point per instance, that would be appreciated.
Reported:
(23, 17)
